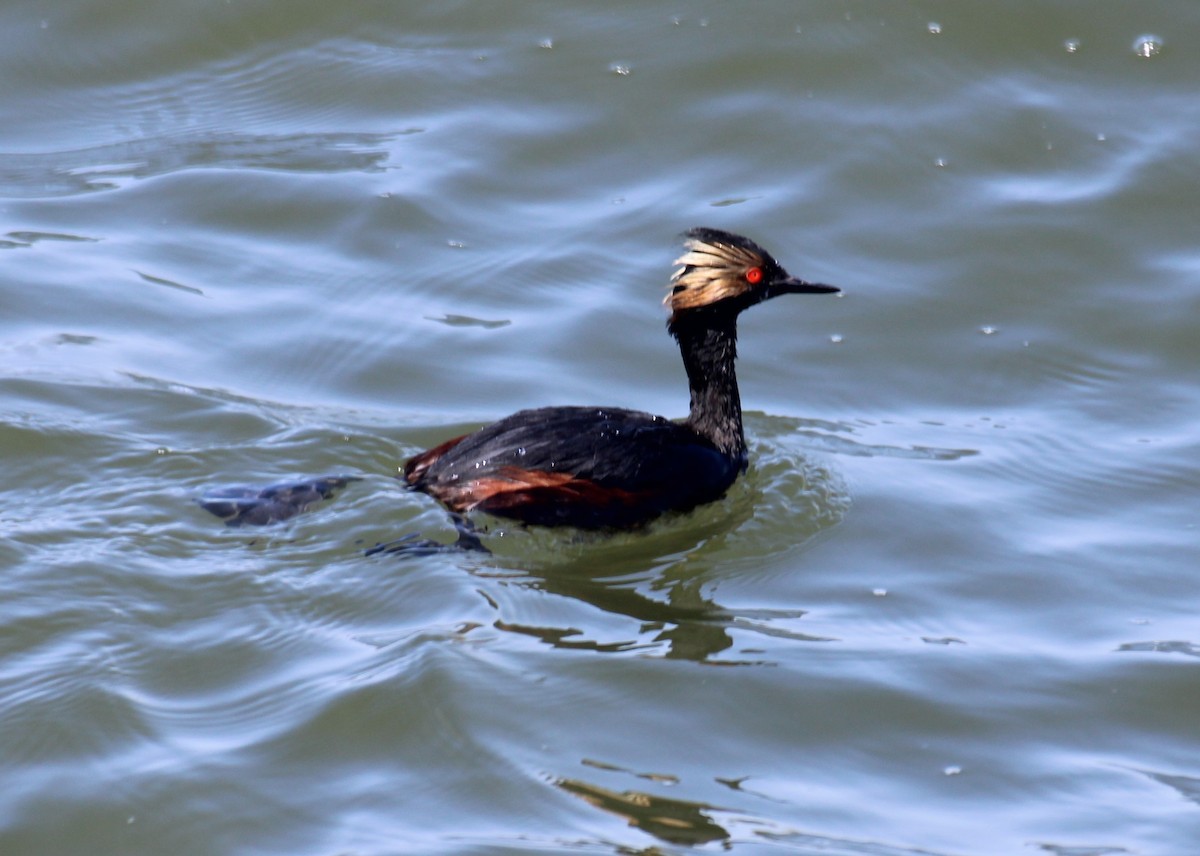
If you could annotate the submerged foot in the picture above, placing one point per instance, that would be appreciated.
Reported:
(251, 506)
(414, 545)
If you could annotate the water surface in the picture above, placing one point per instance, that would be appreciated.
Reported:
(950, 609)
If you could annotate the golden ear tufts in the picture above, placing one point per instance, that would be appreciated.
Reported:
(710, 272)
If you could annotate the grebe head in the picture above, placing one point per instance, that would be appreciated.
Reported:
(728, 273)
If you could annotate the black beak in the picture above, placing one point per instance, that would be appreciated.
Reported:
(791, 285)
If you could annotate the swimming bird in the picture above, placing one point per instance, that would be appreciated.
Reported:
(608, 467)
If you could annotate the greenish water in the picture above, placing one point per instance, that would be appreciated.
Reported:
(950, 610)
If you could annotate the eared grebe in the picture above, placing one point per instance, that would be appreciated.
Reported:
(601, 467)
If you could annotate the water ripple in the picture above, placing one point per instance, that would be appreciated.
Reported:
(110, 166)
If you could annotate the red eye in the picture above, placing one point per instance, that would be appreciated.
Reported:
(754, 275)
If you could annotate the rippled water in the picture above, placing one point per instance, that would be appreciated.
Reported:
(950, 609)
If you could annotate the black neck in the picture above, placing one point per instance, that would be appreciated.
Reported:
(709, 347)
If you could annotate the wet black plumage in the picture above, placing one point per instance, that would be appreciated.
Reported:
(607, 467)
(577, 466)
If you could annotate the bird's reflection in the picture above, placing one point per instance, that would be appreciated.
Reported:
(662, 576)
(674, 821)
(654, 579)
(692, 626)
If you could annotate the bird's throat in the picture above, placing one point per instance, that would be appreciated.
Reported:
(709, 349)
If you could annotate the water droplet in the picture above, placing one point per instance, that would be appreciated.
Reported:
(1072, 45)
(934, 28)
(988, 330)
(620, 70)
(951, 771)
(1147, 45)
